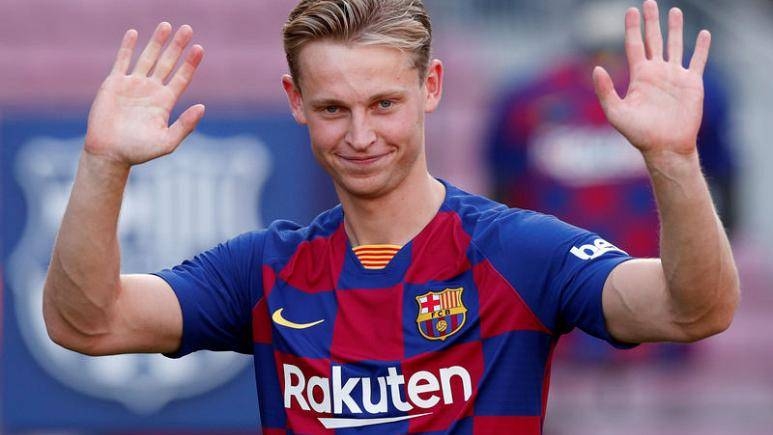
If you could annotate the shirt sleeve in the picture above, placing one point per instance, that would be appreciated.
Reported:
(558, 269)
(580, 269)
(217, 290)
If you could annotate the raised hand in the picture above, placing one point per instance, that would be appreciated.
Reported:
(129, 119)
(663, 108)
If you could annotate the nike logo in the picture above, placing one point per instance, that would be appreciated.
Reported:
(279, 320)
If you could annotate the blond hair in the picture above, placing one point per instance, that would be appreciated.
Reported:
(401, 24)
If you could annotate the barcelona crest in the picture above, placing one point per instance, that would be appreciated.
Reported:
(441, 314)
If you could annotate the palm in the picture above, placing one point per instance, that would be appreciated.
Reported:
(135, 112)
(663, 107)
(129, 119)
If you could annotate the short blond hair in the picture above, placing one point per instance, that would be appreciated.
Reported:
(401, 24)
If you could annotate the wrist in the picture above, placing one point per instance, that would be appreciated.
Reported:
(103, 165)
(671, 162)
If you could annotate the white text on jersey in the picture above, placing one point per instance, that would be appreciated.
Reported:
(424, 390)
(597, 249)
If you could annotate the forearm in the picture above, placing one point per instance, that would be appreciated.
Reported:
(698, 265)
(83, 277)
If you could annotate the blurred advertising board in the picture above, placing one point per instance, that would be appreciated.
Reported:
(230, 176)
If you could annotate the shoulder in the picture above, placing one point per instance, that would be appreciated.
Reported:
(492, 225)
(283, 237)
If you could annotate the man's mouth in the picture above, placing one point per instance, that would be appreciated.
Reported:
(363, 160)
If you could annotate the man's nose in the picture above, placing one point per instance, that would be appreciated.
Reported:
(361, 133)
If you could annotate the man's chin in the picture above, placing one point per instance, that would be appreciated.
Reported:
(371, 187)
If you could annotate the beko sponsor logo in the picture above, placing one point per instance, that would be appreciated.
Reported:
(597, 249)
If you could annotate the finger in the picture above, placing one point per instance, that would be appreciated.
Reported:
(701, 54)
(125, 51)
(653, 38)
(605, 90)
(184, 125)
(182, 78)
(675, 36)
(634, 46)
(171, 55)
(149, 55)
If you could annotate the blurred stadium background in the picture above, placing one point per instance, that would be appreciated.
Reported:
(249, 164)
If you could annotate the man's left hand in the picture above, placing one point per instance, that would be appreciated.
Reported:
(661, 112)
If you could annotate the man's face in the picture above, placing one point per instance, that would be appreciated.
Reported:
(364, 107)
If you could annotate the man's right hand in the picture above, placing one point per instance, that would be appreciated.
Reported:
(88, 306)
(129, 119)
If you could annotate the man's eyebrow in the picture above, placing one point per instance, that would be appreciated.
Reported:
(395, 93)
(324, 102)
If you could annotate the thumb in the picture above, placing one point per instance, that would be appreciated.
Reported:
(605, 91)
(184, 125)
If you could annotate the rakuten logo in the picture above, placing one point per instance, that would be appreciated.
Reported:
(424, 390)
(597, 249)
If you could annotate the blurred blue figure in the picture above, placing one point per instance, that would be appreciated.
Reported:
(552, 149)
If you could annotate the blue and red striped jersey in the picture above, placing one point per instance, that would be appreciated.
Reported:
(454, 335)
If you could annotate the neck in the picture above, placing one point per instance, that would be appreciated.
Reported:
(394, 218)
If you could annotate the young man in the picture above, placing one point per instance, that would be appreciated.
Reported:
(450, 325)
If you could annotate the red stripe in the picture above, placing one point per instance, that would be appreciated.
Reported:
(546, 380)
(316, 264)
(501, 308)
(523, 425)
(430, 329)
(261, 323)
(454, 322)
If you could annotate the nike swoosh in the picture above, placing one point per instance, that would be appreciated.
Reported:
(279, 320)
(341, 423)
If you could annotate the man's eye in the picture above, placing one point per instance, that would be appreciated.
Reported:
(331, 109)
(385, 104)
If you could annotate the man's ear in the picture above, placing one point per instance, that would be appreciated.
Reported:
(294, 98)
(434, 85)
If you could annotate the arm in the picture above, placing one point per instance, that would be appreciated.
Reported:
(87, 305)
(692, 291)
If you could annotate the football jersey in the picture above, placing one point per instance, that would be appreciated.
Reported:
(454, 335)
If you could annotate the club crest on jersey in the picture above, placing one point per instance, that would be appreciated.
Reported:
(441, 314)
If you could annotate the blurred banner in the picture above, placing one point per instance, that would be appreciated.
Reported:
(229, 177)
